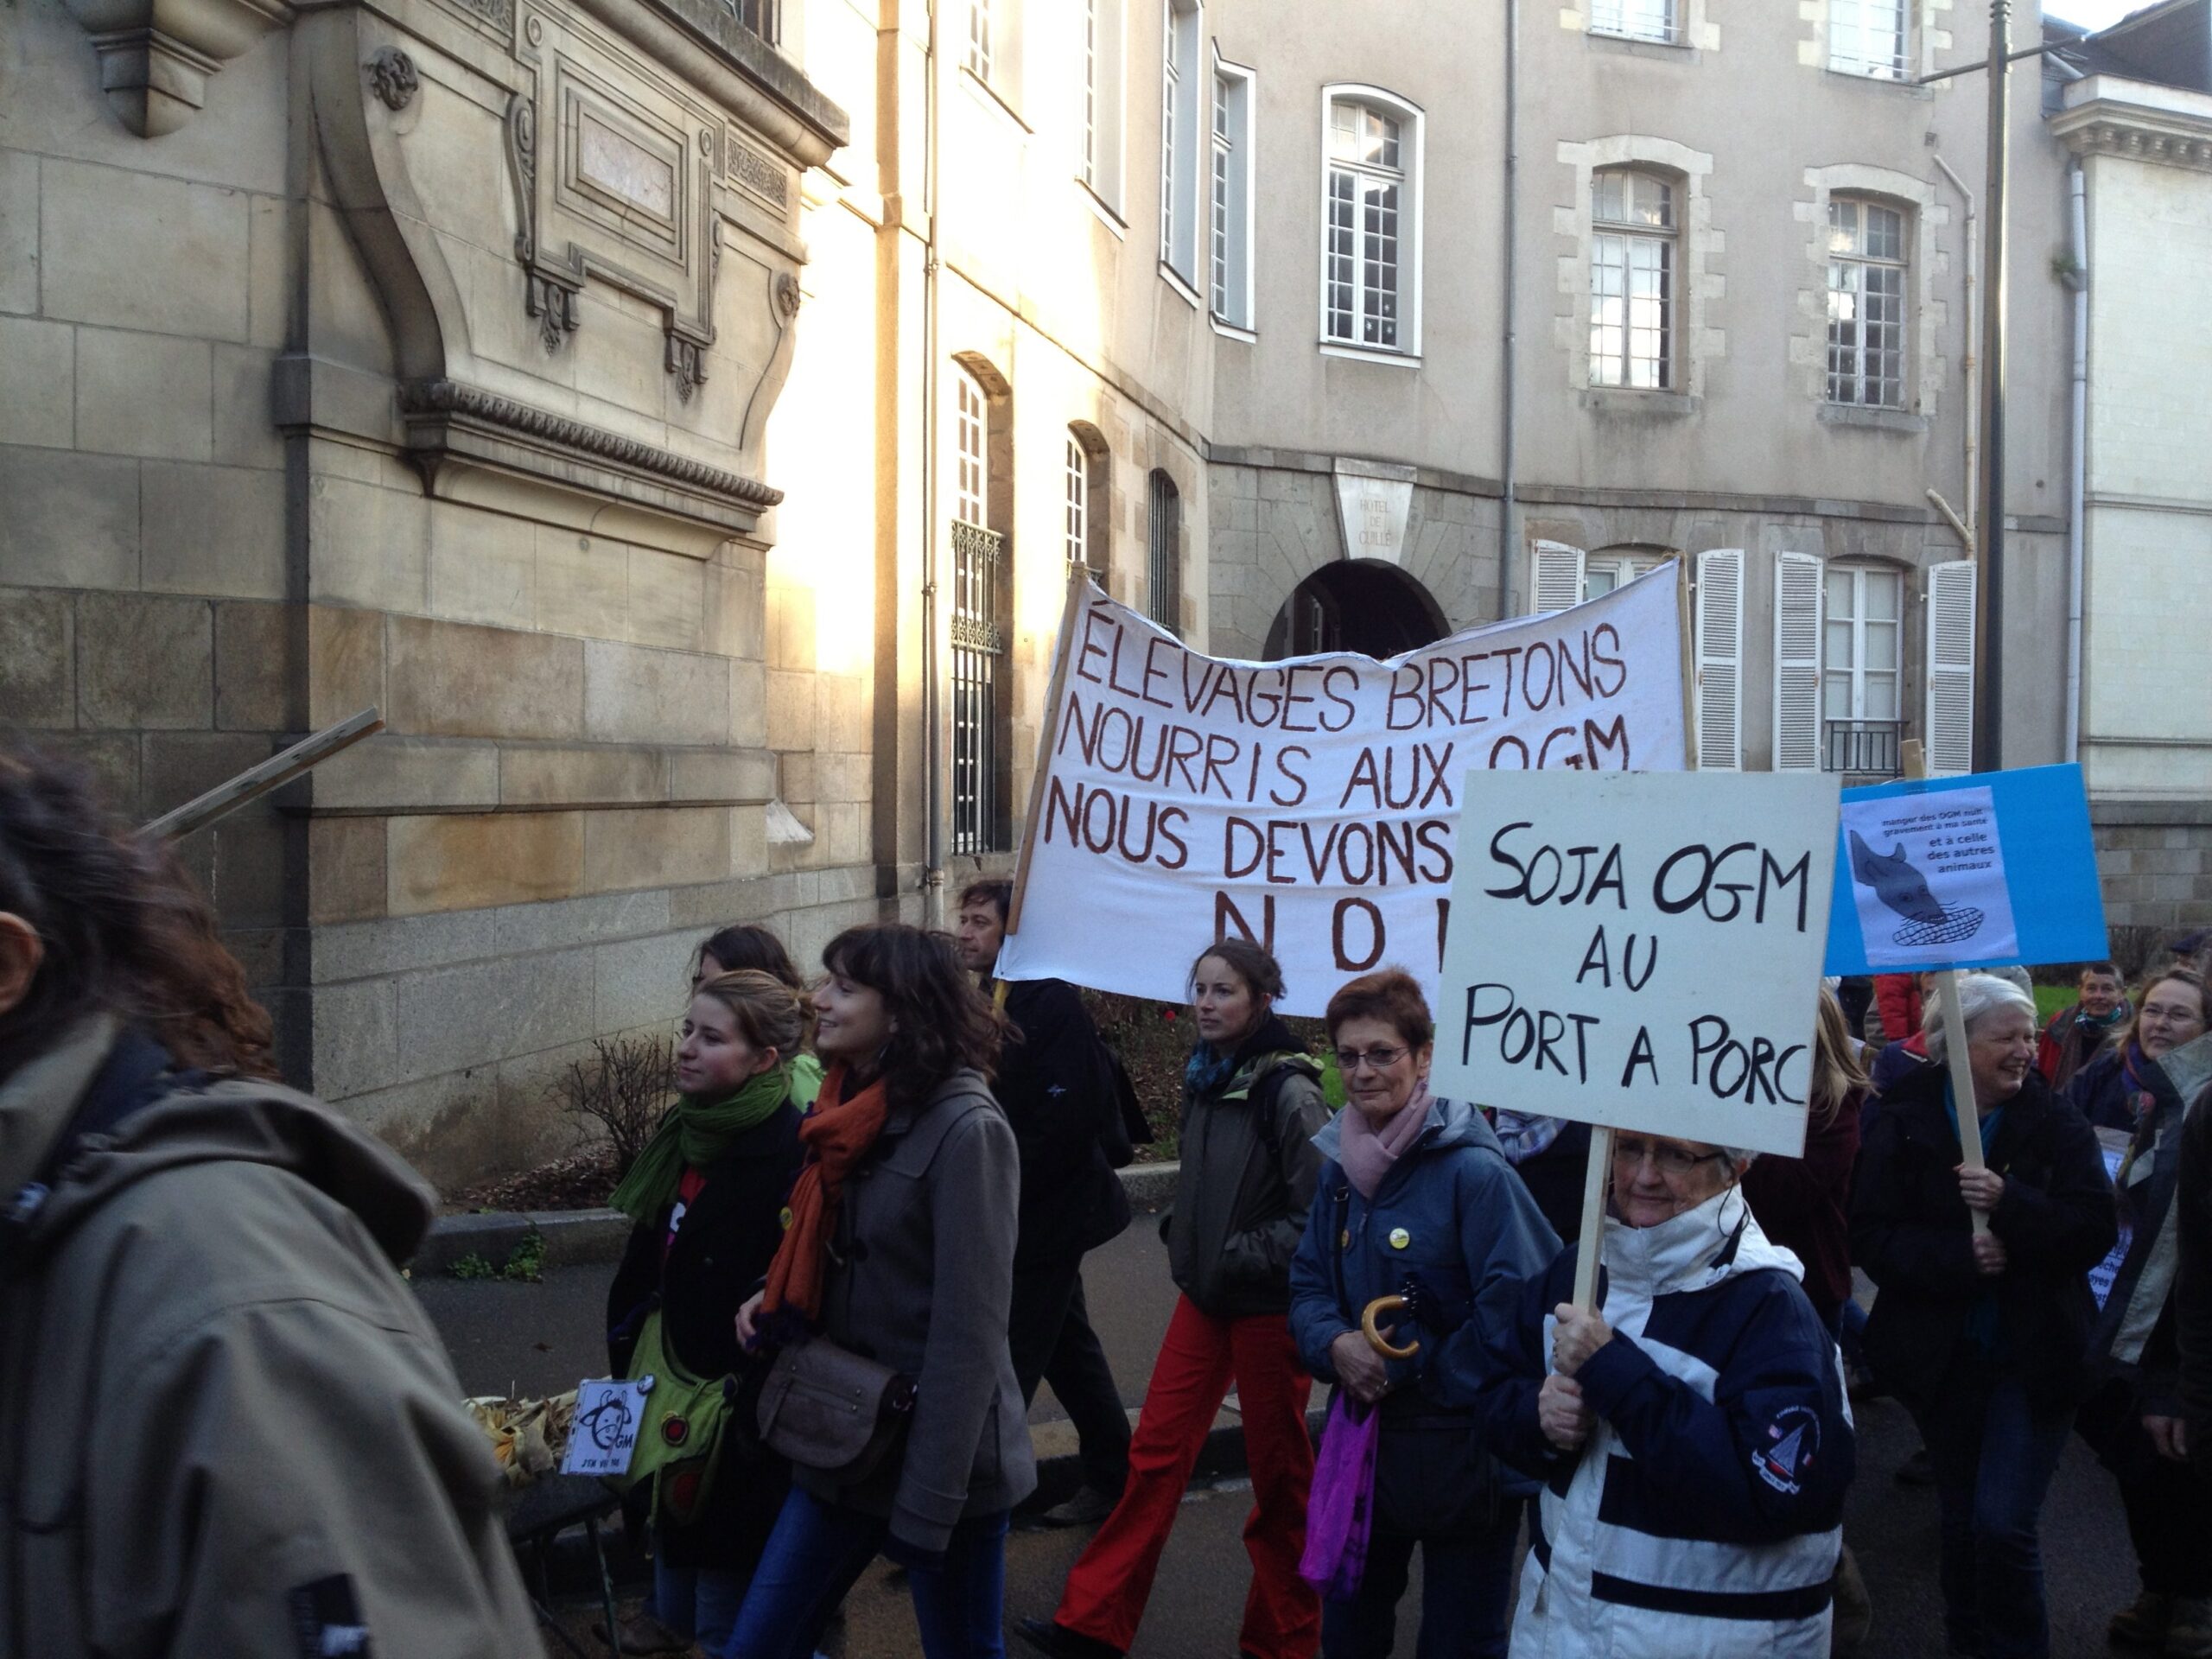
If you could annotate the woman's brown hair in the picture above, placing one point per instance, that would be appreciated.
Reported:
(125, 933)
(1391, 995)
(944, 1022)
(768, 1013)
(1261, 972)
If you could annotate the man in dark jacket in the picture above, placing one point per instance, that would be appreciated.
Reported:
(1051, 1083)
(2193, 1285)
(2078, 1030)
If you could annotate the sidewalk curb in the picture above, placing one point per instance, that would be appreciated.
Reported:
(574, 1237)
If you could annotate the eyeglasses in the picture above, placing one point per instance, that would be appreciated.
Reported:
(1668, 1159)
(1348, 1060)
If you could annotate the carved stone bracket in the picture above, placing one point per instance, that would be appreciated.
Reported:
(554, 304)
(155, 56)
(687, 361)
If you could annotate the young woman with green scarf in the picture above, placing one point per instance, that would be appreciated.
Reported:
(708, 1195)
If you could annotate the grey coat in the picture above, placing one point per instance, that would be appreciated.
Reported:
(920, 1280)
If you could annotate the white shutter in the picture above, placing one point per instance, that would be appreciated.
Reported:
(1950, 668)
(1797, 583)
(1721, 660)
(1558, 583)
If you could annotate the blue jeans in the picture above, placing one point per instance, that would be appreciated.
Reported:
(1993, 1457)
(1466, 1583)
(819, 1551)
(700, 1602)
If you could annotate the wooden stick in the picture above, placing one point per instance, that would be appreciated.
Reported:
(1594, 1182)
(1914, 755)
(1047, 737)
(271, 774)
(1687, 635)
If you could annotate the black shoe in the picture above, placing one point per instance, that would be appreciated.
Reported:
(1087, 1508)
(1917, 1470)
(1057, 1641)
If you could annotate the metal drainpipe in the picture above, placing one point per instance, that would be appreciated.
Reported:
(932, 738)
(1508, 535)
(2078, 280)
(1972, 363)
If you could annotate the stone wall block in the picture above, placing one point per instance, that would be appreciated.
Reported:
(38, 680)
(347, 870)
(748, 705)
(546, 1001)
(649, 848)
(356, 1038)
(145, 663)
(19, 261)
(368, 949)
(748, 840)
(451, 1019)
(467, 861)
(668, 600)
(138, 251)
(180, 765)
(483, 567)
(247, 882)
(211, 529)
(70, 521)
(721, 775)
(640, 982)
(799, 775)
(144, 395)
(574, 776)
(345, 663)
(582, 584)
(38, 382)
(254, 676)
(408, 775)
(244, 435)
(368, 545)
(571, 922)
(790, 710)
(632, 695)
(448, 1127)
(446, 679)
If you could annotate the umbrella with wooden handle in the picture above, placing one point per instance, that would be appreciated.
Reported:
(1381, 1344)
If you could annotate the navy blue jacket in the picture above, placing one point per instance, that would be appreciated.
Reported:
(1471, 1236)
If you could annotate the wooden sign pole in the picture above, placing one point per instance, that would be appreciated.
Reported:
(1915, 757)
(271, 774)
(1047, 740)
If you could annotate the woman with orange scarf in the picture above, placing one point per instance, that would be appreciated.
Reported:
(899, 1248)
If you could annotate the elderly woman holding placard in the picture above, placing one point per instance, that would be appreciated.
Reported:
(1983, 1319)
(1691, 1433)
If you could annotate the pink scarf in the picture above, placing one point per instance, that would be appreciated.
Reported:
(1367, 1152)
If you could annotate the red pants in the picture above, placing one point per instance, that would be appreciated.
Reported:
(1111, 1580)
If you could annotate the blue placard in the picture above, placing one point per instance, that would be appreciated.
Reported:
(1984, 871)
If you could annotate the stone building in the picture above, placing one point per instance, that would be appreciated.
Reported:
(679, 415)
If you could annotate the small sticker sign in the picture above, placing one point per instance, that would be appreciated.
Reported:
(605, 1434)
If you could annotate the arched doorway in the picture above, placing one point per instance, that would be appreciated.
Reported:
(1360, 605)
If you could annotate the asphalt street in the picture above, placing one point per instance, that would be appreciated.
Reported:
(542, 1338)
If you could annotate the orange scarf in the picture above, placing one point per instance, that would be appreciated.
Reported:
(836, 1137)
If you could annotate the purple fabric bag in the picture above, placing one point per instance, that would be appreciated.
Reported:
(1339, 1514)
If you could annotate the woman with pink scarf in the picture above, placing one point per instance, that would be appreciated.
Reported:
(1416, 1200)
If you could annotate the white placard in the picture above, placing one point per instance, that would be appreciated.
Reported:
(1927, 879)
(1642, 950)
(604, 1435)
(1312, 804)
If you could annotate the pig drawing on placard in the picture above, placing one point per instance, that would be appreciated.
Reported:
(1904, 889)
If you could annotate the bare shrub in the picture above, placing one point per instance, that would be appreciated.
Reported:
(619, 1093)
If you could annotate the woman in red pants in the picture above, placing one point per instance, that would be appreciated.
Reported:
(1251, 1105)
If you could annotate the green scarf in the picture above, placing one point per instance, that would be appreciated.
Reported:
(696, 1132)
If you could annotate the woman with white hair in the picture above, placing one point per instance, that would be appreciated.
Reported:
(1691, 1433)
(1984, 1335)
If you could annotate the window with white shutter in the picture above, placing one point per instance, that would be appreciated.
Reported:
(1719, 649)
(1797, 580)
(1558, 578)
(1950, 668)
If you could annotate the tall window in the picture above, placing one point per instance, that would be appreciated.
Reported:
(977, 643)
(1100, 163)
(1163, 533)
(1861, 666)
(1231, 236)
(1370, 256)
(1639, 20)
(763, 17)
(1867, 37)
(1631, 280)
(1866, 303)
(979, 39)
(1182, 85)
(1079, 505)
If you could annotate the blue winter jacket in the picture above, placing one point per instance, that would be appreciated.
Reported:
(1451, 1216)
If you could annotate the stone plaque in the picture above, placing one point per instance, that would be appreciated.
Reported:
(1373, 503)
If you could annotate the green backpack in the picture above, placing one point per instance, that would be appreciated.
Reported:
(680, 1442)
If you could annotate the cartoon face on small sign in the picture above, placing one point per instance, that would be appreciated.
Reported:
(605, 1434)
(1928, 878)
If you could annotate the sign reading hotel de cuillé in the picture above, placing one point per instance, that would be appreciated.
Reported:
(1312, 805)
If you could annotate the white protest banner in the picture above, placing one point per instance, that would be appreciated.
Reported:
(1309, 805)
(603, 1436)
(1641, 952)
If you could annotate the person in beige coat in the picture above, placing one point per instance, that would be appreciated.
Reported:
(226, 1428)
